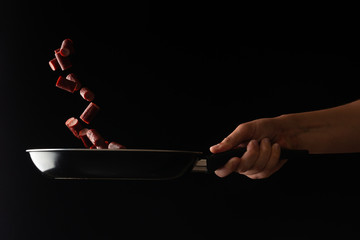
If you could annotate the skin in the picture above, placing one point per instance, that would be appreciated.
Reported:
(333, 130)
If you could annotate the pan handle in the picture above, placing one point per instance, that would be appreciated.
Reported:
(215, 161)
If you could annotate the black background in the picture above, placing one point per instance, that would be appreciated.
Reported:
(174, 76)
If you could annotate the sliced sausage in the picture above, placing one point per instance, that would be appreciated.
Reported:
(54, 65)
(87, 94)
(73, 78)
(74, 126)
(90, 112)
(96, 139)
(67, 47)
(64, 62)
(115, 145)
(66, 84)
(84, 138)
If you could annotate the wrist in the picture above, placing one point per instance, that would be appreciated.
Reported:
(292, 129)
(307, 130)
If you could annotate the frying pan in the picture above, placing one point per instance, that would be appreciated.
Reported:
(132, 164)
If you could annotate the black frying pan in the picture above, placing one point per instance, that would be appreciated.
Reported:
(76, 163)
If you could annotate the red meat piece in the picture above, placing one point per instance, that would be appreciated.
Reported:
(54, 64)
(66, 84)
(73, 78)
(115, 145)
(87, 94)
(84, 138)
(64, 62)
(67, 47)
(96, 139)
(90, 112)
(74, 126)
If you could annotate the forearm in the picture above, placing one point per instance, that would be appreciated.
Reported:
(325, 131)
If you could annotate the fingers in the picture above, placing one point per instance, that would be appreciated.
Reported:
(235, 163)
(241, 134)
(274, 164)
(228, 168)
(260, 160)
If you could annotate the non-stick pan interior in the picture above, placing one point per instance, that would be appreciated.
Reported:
(113, 164)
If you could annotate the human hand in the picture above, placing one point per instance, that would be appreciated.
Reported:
(263, 139)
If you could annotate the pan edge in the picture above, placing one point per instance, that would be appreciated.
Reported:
(109, 150)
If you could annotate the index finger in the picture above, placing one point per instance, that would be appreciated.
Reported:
(241, 134)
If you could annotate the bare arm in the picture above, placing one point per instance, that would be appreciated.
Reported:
(333, 130)
(324, 131)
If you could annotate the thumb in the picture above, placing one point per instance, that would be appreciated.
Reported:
(241, 134)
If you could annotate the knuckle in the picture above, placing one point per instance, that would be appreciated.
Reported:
(257, 168)
(252, 152)
(227, 140)
(265, 146)
(232, 164)
(242, 126)
(241, 170)
(243, 166)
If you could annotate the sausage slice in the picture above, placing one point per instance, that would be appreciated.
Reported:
(66, 84)
(90, 112)
(74, 126)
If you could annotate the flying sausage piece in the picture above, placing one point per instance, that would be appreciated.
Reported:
(66, 84)
(90, 112)
(54, 64)
(73, 78)
(84, 138)
(87, 94)
(67, 47)
(64, 62)
(96, 139)
(74, 126)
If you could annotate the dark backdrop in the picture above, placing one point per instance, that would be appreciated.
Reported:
(174, 76)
